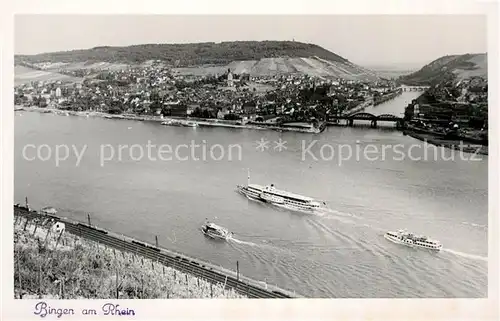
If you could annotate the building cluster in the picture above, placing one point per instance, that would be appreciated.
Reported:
(460, 105)
(163, 91)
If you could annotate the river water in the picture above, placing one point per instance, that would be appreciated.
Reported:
(339, 253)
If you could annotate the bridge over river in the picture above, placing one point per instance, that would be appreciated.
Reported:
(373, 119)
(415, 88)
(391, 111)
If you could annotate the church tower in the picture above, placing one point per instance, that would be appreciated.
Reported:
(229, 78)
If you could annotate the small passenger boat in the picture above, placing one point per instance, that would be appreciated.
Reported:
(215, 231)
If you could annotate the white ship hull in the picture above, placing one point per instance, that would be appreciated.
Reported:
(277, 201)
(216, 236)
(411, 243)
(216, 232)
(280, 198)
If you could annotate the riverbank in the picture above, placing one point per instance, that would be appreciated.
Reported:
(359, 108)
(197, 121)
(250, 125)
(51, 264)
(448, 143)
(387, 97)
(374, 102)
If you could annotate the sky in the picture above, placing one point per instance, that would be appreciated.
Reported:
(370, 40)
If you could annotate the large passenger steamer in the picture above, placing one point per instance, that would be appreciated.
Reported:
(409, 239)
(269, 194)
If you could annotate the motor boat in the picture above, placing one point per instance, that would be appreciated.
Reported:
(215, 231)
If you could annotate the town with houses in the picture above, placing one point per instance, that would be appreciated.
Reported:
(156, 91)
(163, 92)
(452, 109)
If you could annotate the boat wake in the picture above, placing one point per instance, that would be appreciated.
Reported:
(266, 246)
(348, 218)
(467, 255)
(475, 225)
(338, 218)
(338, 213)
(326, 213)
(232, 239)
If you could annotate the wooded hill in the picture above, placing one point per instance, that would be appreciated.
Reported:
(188, 54)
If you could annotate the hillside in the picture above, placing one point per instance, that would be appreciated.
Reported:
(189, 54)
(449, 67)
(312, 66)
(256, 58)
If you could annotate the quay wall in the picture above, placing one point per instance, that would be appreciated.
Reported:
(200, 121)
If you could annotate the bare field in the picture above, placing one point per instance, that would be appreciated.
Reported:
(54, 67)
(274, 66)
(312, 66)
(23, 75)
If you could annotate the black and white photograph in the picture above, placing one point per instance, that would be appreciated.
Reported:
(332, 156)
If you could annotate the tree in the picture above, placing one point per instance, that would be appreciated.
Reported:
(409, 112)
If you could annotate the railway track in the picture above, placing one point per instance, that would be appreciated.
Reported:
(180, 263)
